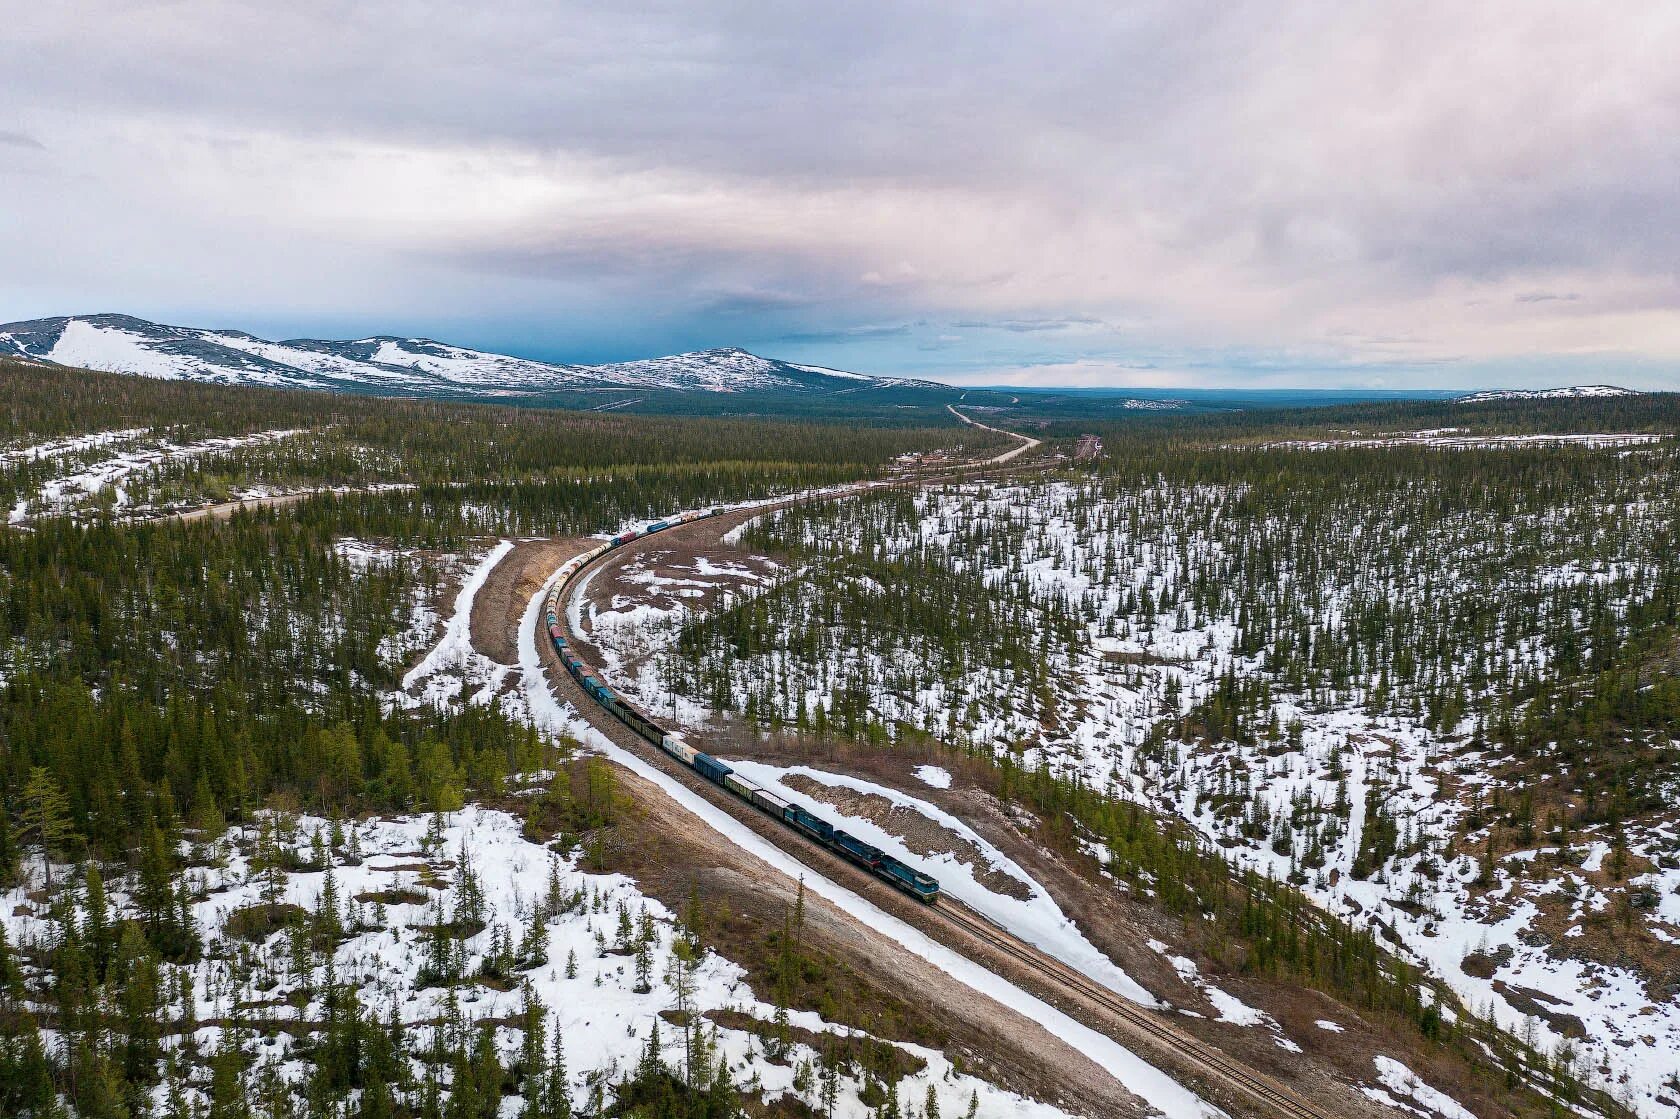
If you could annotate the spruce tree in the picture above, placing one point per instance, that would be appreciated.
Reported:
(45, 816)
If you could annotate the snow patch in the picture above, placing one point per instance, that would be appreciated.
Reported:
(933, 776)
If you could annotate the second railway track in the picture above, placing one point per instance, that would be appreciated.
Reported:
(1257, 1086)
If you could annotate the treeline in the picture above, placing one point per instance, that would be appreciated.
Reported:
(496, 456)
(1069, 417)
(436, 440)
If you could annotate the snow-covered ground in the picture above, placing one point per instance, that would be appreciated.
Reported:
(84, 483)
(1403, 1089)
(1139, 1077)
(1305, 792)
(585, 980)
(1568, 392)
(1453, 439)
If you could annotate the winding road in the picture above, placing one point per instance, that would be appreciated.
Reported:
(1027, 441)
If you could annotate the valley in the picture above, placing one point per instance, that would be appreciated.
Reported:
(862, 561)
(301, 808)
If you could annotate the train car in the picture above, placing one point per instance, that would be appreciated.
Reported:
(768, 802)
(816, 827)
(678, 749)
(640, 723)
(864, 854)
(623, 538)
(710, 768)
(924, 887)
(740, 786)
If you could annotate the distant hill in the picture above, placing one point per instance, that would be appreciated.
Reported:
(1573, 392)
(388, 364)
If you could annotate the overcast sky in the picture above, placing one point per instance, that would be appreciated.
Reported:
(1183, 193)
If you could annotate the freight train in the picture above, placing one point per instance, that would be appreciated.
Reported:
(918, 885)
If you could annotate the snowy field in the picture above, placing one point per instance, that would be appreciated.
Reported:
(99, 471)
(1452, 438)
(586, 979)
(390, 885)
(1305, 793)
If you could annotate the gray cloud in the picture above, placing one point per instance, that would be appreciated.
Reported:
(851, 333)
(1334, 180)
(1031, 326)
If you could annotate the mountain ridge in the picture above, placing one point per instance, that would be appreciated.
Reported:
(1567, 392)
(120, 343)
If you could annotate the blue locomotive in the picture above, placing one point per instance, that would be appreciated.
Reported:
(923, 887)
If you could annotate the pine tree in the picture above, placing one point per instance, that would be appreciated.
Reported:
(45, 816)
(229, 1095)
(476, 1088)
(652, 1064)
(96, 921)
(722, 1101)
(205, 814)
(830, 1081)
(680, 978)
(533, 1054)
(97, 1089)
(533, 947)
(556, 1090)
(136, 978)
(890, 1109)
(329, 924)
(26, 1072)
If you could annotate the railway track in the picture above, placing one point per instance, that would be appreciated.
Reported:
(1261, 1089)
(1271, 1096)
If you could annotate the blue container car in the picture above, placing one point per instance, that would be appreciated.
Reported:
(710, 768)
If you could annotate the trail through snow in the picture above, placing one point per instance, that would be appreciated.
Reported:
(457, 635)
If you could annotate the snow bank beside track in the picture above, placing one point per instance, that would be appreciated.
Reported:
(1137, 1075)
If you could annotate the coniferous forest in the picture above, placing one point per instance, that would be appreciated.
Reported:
(166, 682)
(1319, 685)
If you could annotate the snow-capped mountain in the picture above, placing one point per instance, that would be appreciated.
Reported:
(124, 344)
(1572, 392)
